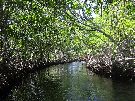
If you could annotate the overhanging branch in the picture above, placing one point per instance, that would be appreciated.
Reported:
(93, 27)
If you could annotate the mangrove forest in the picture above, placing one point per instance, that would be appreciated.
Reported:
(67, 50)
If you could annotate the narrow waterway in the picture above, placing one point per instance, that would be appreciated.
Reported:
(71, 82)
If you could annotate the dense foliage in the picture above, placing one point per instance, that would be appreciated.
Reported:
(47, 30)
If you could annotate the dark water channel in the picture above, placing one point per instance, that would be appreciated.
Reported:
(71, 82)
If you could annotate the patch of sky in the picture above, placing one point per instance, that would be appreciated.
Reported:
(91, 5)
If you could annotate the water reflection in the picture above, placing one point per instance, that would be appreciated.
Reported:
(71, 82)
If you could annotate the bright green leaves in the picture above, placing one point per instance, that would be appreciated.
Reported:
(116, 24)
(119, 24)
(40, 28)
(76, 5)
(34, 29)
(88, 11)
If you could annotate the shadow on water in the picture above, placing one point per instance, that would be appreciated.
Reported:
(71, 82)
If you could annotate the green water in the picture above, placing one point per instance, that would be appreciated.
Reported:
(71, 82)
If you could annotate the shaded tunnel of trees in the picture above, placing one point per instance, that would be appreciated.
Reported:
(37, 33)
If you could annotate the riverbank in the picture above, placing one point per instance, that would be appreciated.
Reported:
(13, 74)
(122, 70)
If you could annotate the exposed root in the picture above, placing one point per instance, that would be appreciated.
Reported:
(121, 70)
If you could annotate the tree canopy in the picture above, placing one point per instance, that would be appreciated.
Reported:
(56, 29)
